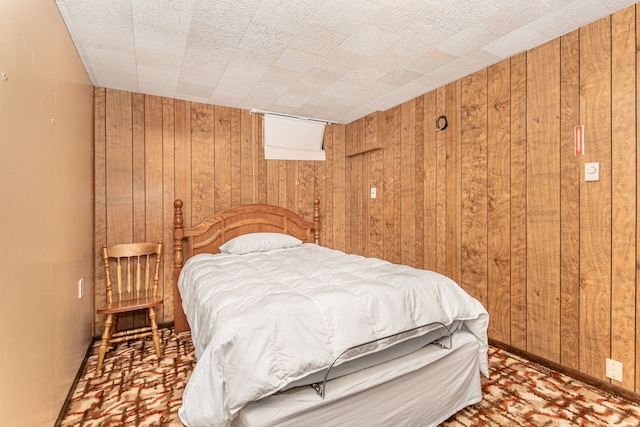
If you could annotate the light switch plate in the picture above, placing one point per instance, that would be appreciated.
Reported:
(592, 171)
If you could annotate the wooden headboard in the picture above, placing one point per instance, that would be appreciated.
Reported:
(211, 233)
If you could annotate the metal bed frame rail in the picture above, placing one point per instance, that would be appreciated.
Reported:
(321, 388)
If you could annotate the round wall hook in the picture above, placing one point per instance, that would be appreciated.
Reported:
(441, 122)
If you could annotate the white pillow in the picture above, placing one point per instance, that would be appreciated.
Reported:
(259, 242)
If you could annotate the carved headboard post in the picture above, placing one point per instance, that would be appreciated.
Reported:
(178, 235)
(179, 319)
(316, 221)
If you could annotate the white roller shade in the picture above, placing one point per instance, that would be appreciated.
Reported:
(287, 138)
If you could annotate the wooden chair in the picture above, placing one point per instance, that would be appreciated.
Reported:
(134, 289)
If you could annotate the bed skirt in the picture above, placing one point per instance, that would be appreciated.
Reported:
(422, 389)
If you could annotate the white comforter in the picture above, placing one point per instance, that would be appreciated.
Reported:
(261, 320)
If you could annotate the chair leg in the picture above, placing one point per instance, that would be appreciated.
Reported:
(154, 332)
(106, 336)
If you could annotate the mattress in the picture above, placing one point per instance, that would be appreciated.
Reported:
(421, 389)
(261, 322)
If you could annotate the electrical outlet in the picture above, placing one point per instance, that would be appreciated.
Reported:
(80, 288)
(614, 370)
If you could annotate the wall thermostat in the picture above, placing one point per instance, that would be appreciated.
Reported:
(592, 171)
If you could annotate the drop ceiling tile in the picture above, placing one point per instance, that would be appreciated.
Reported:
(558, 4)
(284, 14)
(322, 111)
(341, 62)
(371, 93)
(370, 70)
(344, 16)
(114, 69)
(473, 60)
(399, 77)
(223, 17)
(409, 47)
(383, 103)
(320, 77)
(298, 60)
(195, 90)
(342, 59)
(407, 90)
(110, 54)
(615, 5)
(236, 87)
(568, 18)
(365, 110)
(341, 88)
(515, 42)
(201, 37)
(452, 16)
(227, 101)
(467, 40)
(265, 39)
(431, 60)
(317, 39)
(508, 20)
(468, 12)
(272, 90)
(251, 59)
(368, 40)
(455, 70)
(306, 88)
(159, 89)
(394, 16)
(162, 25)
(289, 101)
(280, 76)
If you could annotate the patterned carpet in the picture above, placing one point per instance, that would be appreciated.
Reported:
(135, 390)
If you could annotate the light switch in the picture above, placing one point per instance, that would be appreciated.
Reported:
(592, 171)
(373, 192)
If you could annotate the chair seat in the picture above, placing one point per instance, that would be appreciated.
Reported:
(129, 305)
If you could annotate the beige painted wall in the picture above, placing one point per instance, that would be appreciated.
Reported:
(46, 212)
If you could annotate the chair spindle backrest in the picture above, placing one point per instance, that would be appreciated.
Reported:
(133, 264)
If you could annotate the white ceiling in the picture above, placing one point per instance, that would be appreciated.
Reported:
(336, 60)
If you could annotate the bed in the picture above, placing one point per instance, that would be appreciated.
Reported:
(288, 332)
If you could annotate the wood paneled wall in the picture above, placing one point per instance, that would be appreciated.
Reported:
(497, 200)
(151, 150)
